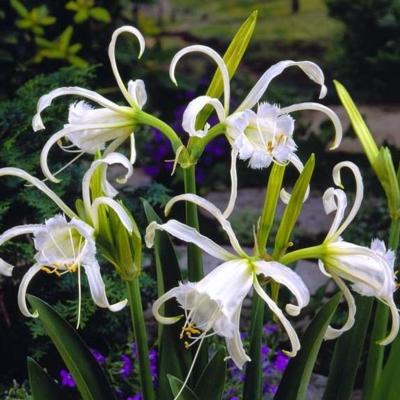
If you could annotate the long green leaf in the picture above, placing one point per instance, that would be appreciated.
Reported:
(214, 372)
(174, 358)
(43, 387)
(232, 58)
(187, 393)
(90, 379)
(298, 373)
(347, 354)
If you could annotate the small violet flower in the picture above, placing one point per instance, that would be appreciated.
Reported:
(66, 379)
(127, 366)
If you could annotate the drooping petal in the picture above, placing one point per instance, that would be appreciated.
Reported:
(285, 276)
(111, 54)
(395, 323)
(23, 287)
(334, 200)
(326, 110)
(6, 269)
(160, 302)
(46, 100)
(234, 345)
(333, 333)
(234, 185)
(192, 111)
(116, 207)
(188, 235)
(19, 173)
(214, 211)
(313, 71)
(98, 290)
(218, 60)
(137, 90)
(294, 340)
(132, 157)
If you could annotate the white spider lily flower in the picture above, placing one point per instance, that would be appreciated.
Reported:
(62, 247)
(90, 129)
(261, 137)
(214, 303)
(369, 270)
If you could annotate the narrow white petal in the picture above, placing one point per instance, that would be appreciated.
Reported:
(6, 269)
(234, 345)
(294, 340)
(132, 157)
(333, 333)
(46, 100)
(313, 71)
(234, 185)
(334, 200)
(218, 60)
(188, 235)
(159, 303)
(192, 111)
(111, 54)
(323, 270)
(214, 211)
(285, 276)
(98, 290)
(395, 323)
(137, 90)
(23, 287)
(326, 110)
(116, 207)
(19, 173)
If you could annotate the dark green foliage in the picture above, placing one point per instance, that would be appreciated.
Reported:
(369, 51)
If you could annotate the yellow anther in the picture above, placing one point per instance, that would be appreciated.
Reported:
(186, 345)
(51, 271)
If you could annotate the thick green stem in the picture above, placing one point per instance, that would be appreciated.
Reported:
(376, 352)
(139, 330)
(301, 254)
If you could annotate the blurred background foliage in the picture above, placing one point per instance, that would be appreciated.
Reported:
(48, 44)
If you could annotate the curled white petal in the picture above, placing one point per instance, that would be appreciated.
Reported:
(395, 323)
(234, 185)
(333, 333)
(285, 276)
(312, 70)
(334, 200)
(98, 290)
(46, 100)
(215, 212)
(23, 287)
(218, 60)
(137, 90)
(294, 340)
(40, 185)
(159, 303)
(326, 110)
(188, 235)
(192, 111)
(6, 269)
(111, 54)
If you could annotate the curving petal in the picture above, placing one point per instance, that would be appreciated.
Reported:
(326, 110)
(234, 185)
(395, 323)
(23, 287)
(160, 302)
(98, 290)
(20, 173)
(218, 60)
(234, 345)
(294, 340)
(334, 200)
(116, 207)
(137, 90)
(192, 111)
(188, 235)
(333, 333)
(312, 70)
(132, 157)
(285, 276)
(214, 211)
(46, 100)
(111, 54)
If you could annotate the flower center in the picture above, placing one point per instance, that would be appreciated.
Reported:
(188, 330)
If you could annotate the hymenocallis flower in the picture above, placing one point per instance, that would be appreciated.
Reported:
(213, 305)
(261, 137)
(90, 129)
(65, 244)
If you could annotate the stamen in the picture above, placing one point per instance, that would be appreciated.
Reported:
(51, 271)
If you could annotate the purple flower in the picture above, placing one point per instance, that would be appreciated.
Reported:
(134, 350)
(234, 398)
(265, 350)
(98, 356)
(270, 388)
(135, 397)
(66, 379)
(270, 328)
(281, 362)
(153, 358)
(127, 366)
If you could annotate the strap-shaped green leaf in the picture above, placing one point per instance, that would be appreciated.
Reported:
(293, 209)
(347, 354)
(187, 393)
(298, 373)
(211, 383)
(232, 58)
(43, 387)
(174, 358)
(90, 379)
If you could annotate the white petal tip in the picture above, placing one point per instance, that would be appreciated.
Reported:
(118, 306)
(290, 353)
(323, 92)
(37, 123)
(292, 310)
